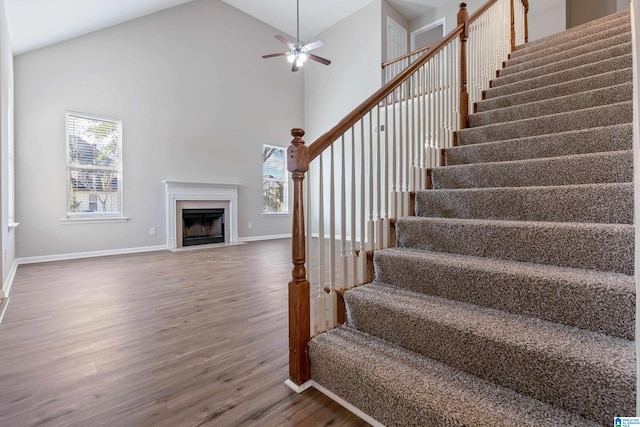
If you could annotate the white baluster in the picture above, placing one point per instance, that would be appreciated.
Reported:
(322, 305)
(332, 316)
(344, 261)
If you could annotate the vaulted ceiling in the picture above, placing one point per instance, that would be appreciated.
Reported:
(38, 23)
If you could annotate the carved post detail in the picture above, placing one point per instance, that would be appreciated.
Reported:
(299, 292)
(525, 3)
(463, 18)
(513, 26)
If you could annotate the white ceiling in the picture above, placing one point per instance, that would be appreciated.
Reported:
(37, 23)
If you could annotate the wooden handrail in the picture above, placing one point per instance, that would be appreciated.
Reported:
(408, 55)
(324, 141)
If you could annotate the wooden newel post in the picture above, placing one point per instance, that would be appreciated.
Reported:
(299, 292)
(525, 3)
(463, 19)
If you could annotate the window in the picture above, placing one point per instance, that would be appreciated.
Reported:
(94, 167)
(274, 180)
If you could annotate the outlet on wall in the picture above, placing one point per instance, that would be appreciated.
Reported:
(250, 225)
(152, 231)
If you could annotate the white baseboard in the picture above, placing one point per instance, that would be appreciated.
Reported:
(78, 255)
(345, 404)
(298, 388)
(258, 238)
(6, 286)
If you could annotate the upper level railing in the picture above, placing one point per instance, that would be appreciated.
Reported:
(361, 173)
(393, 67)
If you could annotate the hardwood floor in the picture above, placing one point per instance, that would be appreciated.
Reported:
(194, 338)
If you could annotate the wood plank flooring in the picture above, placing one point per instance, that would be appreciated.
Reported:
(194, 338)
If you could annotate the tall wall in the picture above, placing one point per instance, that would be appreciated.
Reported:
(6, 131)
(196, 101)
(353, 46)
(582, 11)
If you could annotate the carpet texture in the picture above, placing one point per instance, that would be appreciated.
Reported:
(510, 297)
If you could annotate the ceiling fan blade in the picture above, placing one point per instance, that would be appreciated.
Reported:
(313, 45)
(294, 66)
(273, 55)
(319, 59)
(284, 41)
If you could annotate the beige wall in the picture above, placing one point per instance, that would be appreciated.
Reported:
(582, 11)
(196, 101)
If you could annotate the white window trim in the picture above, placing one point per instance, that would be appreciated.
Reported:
(92, 217)
(286, 184)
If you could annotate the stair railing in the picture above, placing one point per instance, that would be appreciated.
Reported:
(393, 67)
(362, 172)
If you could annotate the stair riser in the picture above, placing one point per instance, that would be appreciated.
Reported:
(527, 291)
(614, 138)
(604, 248)
(584, 49)
(509, 85)
(599, 168)
(563, 89)
(605, 96)
(497, 361)
(608, 115)
(599, 204)
(594, 27)
(570, 44)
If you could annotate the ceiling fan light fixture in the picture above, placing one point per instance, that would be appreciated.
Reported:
(291, 57)
(303, 56)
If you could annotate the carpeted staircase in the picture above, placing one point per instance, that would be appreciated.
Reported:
(509, 299)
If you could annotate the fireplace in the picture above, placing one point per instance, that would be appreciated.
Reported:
(202, 226)
(198, 196)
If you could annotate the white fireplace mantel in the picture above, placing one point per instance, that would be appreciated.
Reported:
(200, 191)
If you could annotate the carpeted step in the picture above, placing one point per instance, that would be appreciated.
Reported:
(607, 115)
(604, 247)
(504, 86)
(596, 82)
(546, 58)
(509, 76)
(560, 360)
(578, 32)
(556, 294)
(399, 387)
(588, 98)
(594, 140)
(599, 203)
(575, 169)
(560, 46)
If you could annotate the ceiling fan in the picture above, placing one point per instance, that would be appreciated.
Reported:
(298, 53)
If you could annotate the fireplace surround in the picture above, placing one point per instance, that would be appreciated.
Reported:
(184, 195)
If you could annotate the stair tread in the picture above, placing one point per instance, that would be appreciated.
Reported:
(493, 345)
(604, 80)
(588, 168)
(420, 390)
(556, 340)
(550, 292)
(573, 52)
(544, 107)
(602, 203)
(615, 55)
(578, 31)
(599, 116)
(564, 45)
(601, 139)
(604, 247)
